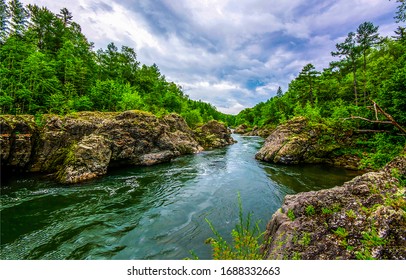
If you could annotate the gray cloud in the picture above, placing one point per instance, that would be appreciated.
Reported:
(232, 54)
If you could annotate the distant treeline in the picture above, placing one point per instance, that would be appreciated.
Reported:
(47, 65)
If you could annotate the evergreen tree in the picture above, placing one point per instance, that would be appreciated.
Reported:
(18, 15)
(66, 17)
(4, 21)
(279, 92)
(351, 52)
(367, 36)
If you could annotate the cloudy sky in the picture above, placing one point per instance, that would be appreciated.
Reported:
(231, 53)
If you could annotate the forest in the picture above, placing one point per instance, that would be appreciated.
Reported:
(47, 65)
(364, 89)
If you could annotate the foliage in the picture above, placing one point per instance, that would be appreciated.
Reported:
(247, 240)
(310, 210)
(291, 215)
(48, 66)
(335, 93)
(382, 148)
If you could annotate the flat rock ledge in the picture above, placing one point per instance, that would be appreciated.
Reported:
(363, 219)
(82, 146)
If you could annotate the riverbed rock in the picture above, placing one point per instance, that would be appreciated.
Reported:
(82, 146)
(363, 219)
(300, 141)
(214, 135)
(241, 129)
(244, 130)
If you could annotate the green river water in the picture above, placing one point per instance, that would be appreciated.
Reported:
(155, 212)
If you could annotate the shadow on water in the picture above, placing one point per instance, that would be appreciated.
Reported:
(155, 212)
(303, 178)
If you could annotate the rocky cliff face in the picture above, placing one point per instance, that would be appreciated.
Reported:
(362, 219)
(298, 141)
(84, 145)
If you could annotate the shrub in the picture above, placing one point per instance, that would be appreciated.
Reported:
(247, 240)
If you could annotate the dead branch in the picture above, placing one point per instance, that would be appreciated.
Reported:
(369, 131)
(368, 120)
(377, 109)
(389, 117)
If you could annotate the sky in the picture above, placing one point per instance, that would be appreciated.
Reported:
(232, 54)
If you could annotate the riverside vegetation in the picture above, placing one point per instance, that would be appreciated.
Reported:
(350, 114)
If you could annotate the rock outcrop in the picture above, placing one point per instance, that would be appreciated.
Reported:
(214, 135)
(84, 145)
(299, 141)
(255, 131)
(17, 134)
(363, 219)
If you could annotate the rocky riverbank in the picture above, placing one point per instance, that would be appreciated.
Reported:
(362, 219)
(84, 145)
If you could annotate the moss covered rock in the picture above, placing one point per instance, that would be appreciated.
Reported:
(362, 219)
(214, 135)
(300, 141)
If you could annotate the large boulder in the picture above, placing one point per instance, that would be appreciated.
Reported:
(364, 218)
(300, 141)
(214, 135)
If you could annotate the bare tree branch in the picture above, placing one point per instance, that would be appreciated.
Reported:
(377, 109)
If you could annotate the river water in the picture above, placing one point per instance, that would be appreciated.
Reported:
(155, 212)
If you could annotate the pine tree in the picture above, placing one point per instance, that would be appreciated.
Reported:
(367, 36)
(4, 21)
(18, 16)
(351, 51)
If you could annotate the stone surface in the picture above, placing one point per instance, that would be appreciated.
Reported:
(17, 134)
(84, 145)
(214, 135)
(363, 219)
(299, 141)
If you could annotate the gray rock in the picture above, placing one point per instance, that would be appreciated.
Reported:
(364, 218)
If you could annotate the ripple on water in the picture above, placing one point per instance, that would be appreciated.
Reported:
(155, 212)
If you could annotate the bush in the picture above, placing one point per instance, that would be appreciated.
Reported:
(246, 240)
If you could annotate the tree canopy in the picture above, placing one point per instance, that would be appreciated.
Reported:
(47, 65)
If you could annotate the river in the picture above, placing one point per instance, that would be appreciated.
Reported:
(155, 212)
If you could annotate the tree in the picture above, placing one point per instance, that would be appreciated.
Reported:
(18, 16)
(279, 92)
(65, 16)
(401, 11)
(351, 52)
(367, 36)
(309, 76)
(400, 34)
(3, 21)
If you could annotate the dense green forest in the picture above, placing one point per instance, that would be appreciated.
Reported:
(49, 66)
(368, 71)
